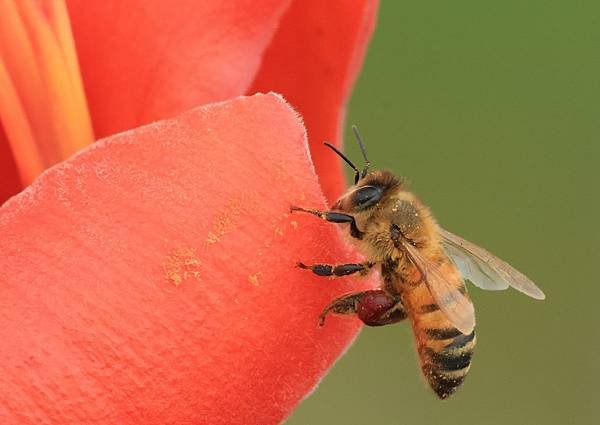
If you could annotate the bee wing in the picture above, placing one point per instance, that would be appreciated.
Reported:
(484, 269)
(473, 268)
(448, 290)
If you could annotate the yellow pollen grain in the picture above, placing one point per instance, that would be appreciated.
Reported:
(222, 225)
(180, 265)
(226, 220)
(294, 224)
(254, 279)
(43, 107)
(212, 238)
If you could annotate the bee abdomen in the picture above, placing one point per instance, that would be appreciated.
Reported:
(445, 367)
(442, 333)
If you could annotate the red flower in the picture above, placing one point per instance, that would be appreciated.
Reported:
(150, 279)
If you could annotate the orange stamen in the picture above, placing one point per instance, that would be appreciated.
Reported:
(42, 102)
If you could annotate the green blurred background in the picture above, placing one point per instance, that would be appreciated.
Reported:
(492, 110)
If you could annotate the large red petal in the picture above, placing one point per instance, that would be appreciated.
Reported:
(313, 61)
(151, 278)
(143, 60)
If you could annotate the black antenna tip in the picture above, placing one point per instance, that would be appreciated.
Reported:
(362, 149)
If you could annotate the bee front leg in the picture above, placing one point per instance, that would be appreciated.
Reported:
(374, 307)
(333, 217)
(337, 270)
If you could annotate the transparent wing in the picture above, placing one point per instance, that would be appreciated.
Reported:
(484, 269)
(473, 268)
(448, 290)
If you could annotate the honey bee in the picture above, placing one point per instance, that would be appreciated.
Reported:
(422, 266)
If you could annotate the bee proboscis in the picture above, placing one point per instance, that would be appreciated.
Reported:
(422, 268)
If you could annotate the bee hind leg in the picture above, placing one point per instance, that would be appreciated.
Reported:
(374, 307)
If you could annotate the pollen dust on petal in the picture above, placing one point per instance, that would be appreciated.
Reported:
(225, 220)
(180, 265)
(278, 231)
(254, 279)
(282, 173)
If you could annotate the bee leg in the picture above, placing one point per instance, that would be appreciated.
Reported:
(337, 270)
(374, 307)
(333, 217)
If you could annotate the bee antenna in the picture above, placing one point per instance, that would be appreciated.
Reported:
(357, 173)
(362, 150)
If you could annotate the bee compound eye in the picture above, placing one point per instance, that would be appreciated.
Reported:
(366, 196)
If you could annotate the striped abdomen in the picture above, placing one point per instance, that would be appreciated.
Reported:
(445, 353)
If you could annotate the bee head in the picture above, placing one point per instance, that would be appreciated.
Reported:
(369, 191)
(369, 187)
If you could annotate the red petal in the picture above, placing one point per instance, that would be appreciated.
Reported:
(151, 279)
(9, 176)
(144, 60)
(313, 61)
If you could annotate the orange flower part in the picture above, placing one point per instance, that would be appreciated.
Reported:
(43, 108)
